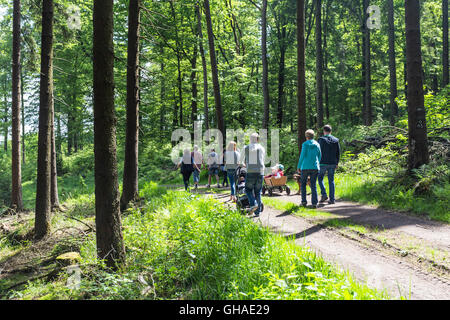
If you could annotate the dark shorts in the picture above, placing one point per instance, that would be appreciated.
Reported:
(213, 171)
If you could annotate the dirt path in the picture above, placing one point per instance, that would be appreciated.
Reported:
(435, 232)
(367, 260)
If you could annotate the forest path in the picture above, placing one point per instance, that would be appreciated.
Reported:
(405, 255)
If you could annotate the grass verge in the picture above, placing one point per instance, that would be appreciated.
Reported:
(183, 246)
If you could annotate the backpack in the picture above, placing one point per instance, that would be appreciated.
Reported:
(187, 167)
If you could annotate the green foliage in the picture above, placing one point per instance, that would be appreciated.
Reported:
(184, 246)
(80, 163)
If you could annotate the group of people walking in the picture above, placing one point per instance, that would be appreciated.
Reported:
(317, 159)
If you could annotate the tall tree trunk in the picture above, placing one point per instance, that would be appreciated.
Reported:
(301, 82)
(23, 117)
(325, 63)
(179, 58)
(43, 182)
(265, 72)
(194, 89)
(16, 170)
(204, 67)
(281, 77)
(54, 199)
(319, 64)
(130, 167)
(162, 95)
(58, 142)
(392, 65)
(110, 244)
(367, 73)
(215, 77)
(5, 117)
(445, 42)
(417, 129)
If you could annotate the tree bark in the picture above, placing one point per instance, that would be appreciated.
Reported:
(130, 167)
(179, 58)
(445, 80)
(23, 117)
(204, 67)
(392, 65)
(281, 76)
(265, 67)
(319, 64)
(325, 63)
(5, 117)
(43, 182)
(16, 170)
(54, 199)
(194, 89)
(417, 129)
(162, 95)
(301, 82)
(367, 73)
(107, 204)
(215, 77)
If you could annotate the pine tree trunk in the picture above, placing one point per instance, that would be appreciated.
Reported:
(162, 95)
(204, 67)
(130, 167)
(301, 82)
(392, 65)
(445, 81)
(194, 89)
(110, 244)
(319, 64)
(43, 182)
(367, 73)
(417, 129)
(23, 117)
(54, 199)
(16, 170)
(215, 76)
(5, 118)
(281, 77)
(325, 63)
(265, 67)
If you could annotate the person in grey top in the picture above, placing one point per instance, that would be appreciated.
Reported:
(253, 157)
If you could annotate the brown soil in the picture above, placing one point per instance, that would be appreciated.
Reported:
(381, 264)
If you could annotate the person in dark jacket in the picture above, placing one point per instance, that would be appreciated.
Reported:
(331, 151)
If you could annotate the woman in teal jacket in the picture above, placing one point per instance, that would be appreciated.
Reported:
(309, 165)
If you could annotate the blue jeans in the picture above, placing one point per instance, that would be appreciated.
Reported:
(196, 175)
(324, 168)
(230, 174)
(304, 179)
(253, 186)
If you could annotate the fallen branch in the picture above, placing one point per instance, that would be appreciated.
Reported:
(87, 225)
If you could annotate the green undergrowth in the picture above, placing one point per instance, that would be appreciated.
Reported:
(384, 192)
(184, 246)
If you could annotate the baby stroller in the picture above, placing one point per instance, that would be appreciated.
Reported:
(242, 202)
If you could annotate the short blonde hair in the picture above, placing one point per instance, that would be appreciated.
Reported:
(309, 134)
(231, 146)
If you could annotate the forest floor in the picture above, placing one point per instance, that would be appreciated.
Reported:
(404, 254)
